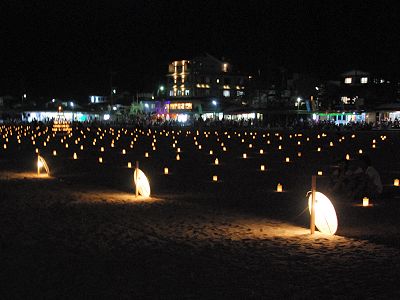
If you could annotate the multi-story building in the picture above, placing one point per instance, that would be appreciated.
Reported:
(203, 84)
(363, 90)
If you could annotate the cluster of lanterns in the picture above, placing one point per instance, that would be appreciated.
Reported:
(103, 141)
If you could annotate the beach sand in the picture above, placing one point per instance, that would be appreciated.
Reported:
(80, 234)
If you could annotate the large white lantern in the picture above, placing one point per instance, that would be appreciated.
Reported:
(141, 182)
(325, 214)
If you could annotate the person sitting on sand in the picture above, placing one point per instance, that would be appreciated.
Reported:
(369, 183)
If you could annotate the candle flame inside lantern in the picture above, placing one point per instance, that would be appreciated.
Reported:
(244, 155)
(279, 188)
(396, 182)
(129, 165)
(216, 161)
(166, 171)
(215, 178)
(75, 156)
(365, 201)
(262, 167)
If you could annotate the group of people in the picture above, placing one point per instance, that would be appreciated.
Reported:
(356, 179)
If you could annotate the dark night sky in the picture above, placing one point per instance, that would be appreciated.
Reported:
(68, 48)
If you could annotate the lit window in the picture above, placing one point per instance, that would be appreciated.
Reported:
(347, 80)
(187, 92)
(171, 92)
(346, 100)
(226, 93)
(364, 79)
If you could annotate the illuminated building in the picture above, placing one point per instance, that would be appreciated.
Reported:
(202, 85)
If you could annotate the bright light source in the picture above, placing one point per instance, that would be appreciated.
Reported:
(114, 108)
(106, 117)
(161, 88)
(72, 104)
(142, 183)
(214, 103)
(41, 163)
(325, 214)
(146, 105)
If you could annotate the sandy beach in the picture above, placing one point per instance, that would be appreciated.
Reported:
(81, 233)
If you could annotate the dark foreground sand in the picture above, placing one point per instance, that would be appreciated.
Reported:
(64, 240)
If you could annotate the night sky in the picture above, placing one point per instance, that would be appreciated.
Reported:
(66, 49)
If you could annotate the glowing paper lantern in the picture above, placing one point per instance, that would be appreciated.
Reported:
(360, 151)
(142, 183)
(41, 163)
(215, 178)
(123, 151)
(279, 188)
(129, 165)
(347, 156)
(287, 159)
(75, 156)
(325, 214)
(166, 171)
(146, 154)
(319, 173)
(299, 154)
(211, 152)
(100, 160)
(262, 167)
(261, 151)
(396, 182)
(216, 161)
(54, 153)
(244, 155)
(178, 157)
(365, 201)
